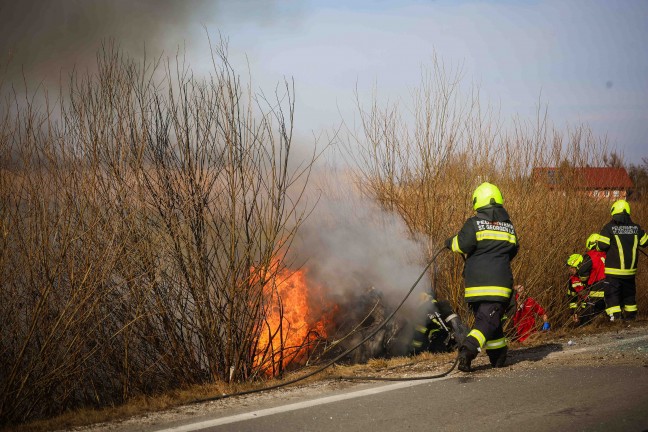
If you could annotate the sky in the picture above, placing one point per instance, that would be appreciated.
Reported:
(585, 60)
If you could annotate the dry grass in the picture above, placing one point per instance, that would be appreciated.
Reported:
(400, 366)
(146, 404)
(424, 159)
(140, 218)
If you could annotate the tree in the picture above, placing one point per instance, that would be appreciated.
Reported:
(639, 176)
(613, 160)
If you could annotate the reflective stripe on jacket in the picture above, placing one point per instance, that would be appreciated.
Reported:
(489, 243)
(620, 239)
(576, 292)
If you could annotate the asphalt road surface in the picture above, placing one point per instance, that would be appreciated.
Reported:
(588, 383)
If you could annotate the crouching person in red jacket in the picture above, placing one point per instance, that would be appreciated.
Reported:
(526, 312)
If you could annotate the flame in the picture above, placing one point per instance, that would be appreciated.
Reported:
(292, 324)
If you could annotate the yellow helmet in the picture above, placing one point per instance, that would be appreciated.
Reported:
(620, 206)
(574, 260)
(486, 194)
(590, 243)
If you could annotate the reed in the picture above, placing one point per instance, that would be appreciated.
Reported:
(424, 157)
(143, 213)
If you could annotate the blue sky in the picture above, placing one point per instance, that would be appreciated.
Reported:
(586, 60)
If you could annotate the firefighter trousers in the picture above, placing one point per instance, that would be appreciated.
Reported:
(620, 295)
(487, 331)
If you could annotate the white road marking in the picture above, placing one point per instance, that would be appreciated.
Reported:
(297, 406)
(356, 394)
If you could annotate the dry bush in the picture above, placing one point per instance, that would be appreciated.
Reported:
(425, 160)
(142, 216)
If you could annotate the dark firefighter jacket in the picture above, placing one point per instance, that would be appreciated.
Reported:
(620, 238)
(489, 243)
(430, 334)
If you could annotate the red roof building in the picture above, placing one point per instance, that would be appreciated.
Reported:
(599, 182)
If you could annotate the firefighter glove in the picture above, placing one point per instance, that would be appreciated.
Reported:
(448, 243)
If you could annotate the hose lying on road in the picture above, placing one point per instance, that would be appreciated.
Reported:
(414, 378)
(330, 363)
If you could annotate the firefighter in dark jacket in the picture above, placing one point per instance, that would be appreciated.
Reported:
(576, 292)
(620, 238)
(438, 328)
(489, 243)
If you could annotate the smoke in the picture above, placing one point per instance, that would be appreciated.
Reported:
(350, 246)
(363, 260)
(42, 41)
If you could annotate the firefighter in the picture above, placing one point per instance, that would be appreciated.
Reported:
(489, 243)
(620, 238)
(576, 292)
(592, 272)
(438, 328)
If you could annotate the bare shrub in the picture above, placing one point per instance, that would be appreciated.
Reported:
(142, 224)
(424, 161)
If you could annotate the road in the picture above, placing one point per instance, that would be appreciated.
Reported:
(593, 383)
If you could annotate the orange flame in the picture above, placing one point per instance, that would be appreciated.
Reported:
(292, 324)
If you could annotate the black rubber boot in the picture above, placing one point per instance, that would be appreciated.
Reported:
(497, 357)
(465, 358)
(615, 317)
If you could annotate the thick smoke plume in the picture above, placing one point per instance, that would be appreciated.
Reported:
(43, 41)
(350, 245)
(364, 261)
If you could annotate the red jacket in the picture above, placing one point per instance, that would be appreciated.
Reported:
(525, 317)
(575, 292)
(598, 266)
(575, 286)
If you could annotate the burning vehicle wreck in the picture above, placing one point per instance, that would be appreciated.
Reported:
(352, 325)
(432, 327)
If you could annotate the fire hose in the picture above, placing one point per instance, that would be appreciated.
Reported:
(336, 359)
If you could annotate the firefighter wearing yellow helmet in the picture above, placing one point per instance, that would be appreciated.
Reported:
(489, 243)
(620, 238)
(576, 292)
